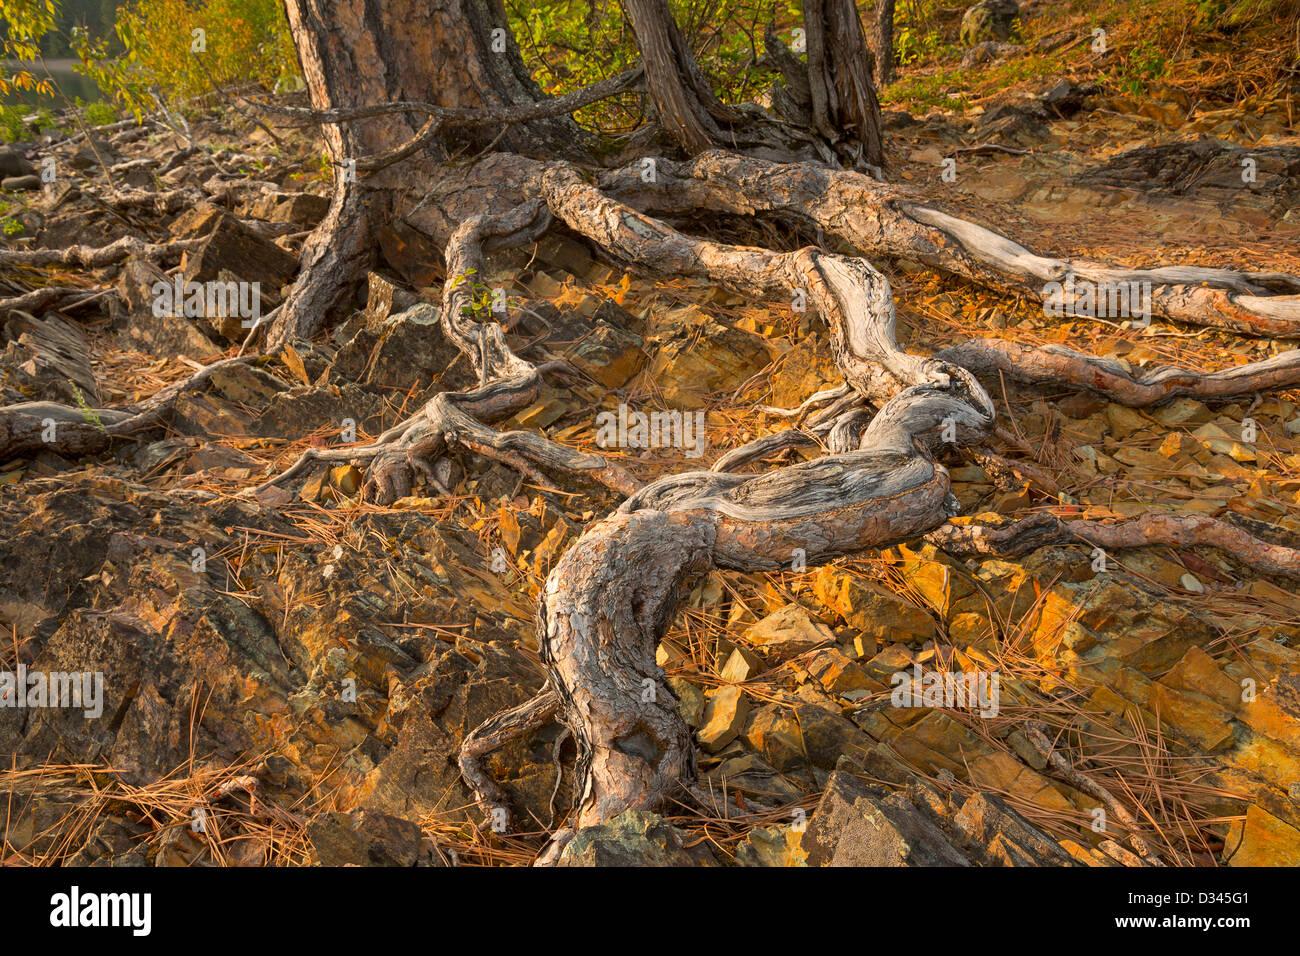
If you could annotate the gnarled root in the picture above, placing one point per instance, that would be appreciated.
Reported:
(1152, 530)
(1054, 366)
(890, 220)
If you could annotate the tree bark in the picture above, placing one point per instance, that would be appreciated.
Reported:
(457, 54)
(833, 92)
(881, 42)
(853, 113)
(684, 102)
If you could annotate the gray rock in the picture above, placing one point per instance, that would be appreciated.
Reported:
(989, 20)
(14, 163)
(988, 52)
(633, 838)
(364, 838)
(857, 825)
(21, 182)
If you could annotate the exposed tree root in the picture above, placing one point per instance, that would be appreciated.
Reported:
(31, 427)
(607, 602)
(336, 257)
(881, 219)
(509, 384)
(1081, 781)
(609, 599)
(1055, 365)
(494, 734)
(1171, 530)
(46, 297)
(93, 257)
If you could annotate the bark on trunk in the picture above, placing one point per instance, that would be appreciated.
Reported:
(683, 99)
(833, 93)
(458, 54)
(881, 41)
(847, 74)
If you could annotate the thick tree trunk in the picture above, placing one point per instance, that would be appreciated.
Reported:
(839, 74)
(832, 93)
(457, 54)
(453, 53)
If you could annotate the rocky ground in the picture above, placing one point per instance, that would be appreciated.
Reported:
(288, 675)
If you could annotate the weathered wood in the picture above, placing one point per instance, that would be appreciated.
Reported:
(890, 220)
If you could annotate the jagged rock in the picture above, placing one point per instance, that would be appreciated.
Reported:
(633, 838)
(302, 410)
(695, 355)
(872, 610)
(752, 774)
(364, 838)
(772, 846)
(855, 825)
(985, 818)
(840, 676)
(609, 354)
(789, 738)
(94, 154)
(859, 825)
(1015, 124)
(14, 163)
(989, 20)
(1066, 97)
(1263, 840)
(725, 713)
(162, 335)
(48, 359)
(21, 183)
(230, 248)
(1203, 167)
(988, 52)
(787, 633)
(301, 209)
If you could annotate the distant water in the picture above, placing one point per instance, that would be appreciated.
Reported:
(71, 85)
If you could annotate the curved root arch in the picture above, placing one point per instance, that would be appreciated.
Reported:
(607, 603)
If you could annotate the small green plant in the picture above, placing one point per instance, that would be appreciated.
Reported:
(88, 413)
(98, 113)
(12, 127)
(1144, 63)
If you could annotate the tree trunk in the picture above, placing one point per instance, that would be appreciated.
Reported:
(355, 53)
(881, 41)
(832, 93)
(839, 75)
(683, 99)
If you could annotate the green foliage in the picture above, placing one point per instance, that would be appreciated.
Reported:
(98, 113)
(20, 121)
(12, 127)
(179, 49)
(1143, 63)
(26, 23)
(572, 43)
(88, 413)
